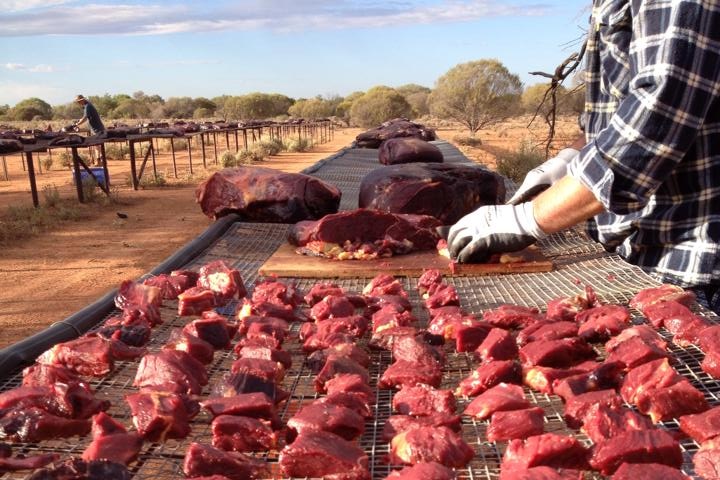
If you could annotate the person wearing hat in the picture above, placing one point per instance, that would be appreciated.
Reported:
(92, 116)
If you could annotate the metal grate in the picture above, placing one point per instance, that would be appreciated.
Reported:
(247, 246)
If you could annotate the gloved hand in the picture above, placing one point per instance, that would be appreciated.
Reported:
(493, 229)
(541, 177)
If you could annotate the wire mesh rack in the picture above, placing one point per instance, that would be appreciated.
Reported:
(246, 247)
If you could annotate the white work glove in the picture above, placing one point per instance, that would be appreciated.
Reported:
(541, 177)
(493, 229)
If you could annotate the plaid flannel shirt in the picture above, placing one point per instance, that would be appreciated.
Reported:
(653, 131)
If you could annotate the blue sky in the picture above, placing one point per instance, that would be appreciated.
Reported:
(55, 49)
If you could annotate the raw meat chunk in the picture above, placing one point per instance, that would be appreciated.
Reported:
(428, 278)
(196, 347)
(691, 333)
(75, 468)
(318, 358)
(112, 442)
(332, 306)
(710, 340)
(606, 375)
(702, 426)
(707, 462)
(328, 417)
(265, 369)
(214, 329)
(365, 234)
(423, 471)
(232, 384)
(441, 295)
(357, 402)
(577, 407)
(206, 460)
(423, 400)
(542, 473)
(416, 349)
(658, 314)
(447, 192)
(670, 402)
(408, 150)
(265, 195)
(603, 322)
(397, 127)
(512, 316)
(561, 353)
(274, 291)
(404, 373)
(136, 335)
(170, 287)
(447, 324)
(469, 337)
(547, 330)
(348, 383)
(384, 339)
(512, 424)
(665, 292)
(487, 376)
(31, 462)
(648, 471)
(602, 422)
(33, 424)
(255, 405)
(140, 301)
(396, 424)
(548, 449)
(274, 324)
(71, 400)
(541, 379)
(243, 434)
(645, 333)
(498, 345)
(384, 284)
(634, 352)
(321, 290)
(566, 308)
(41, 374)
(195, 300)
(711, 364)
(336, 365)
(649, 376)
(389, 317)
(502, 397)
(430, 444)
(267, 309)
(158, 416)
(324, 454)
(88, 355)
(644, 446)
(172, 371)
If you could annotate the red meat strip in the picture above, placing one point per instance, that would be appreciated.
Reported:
(243, 434)
(318, 358)
(428, 278)
(512, 316)
(357, 402)
(111, 441)
(76, 468)
(275, 324)
(171, 371)
(707, 461)
(232, 384)
(348, 383)
(384, 284)
(644, 446)
(606, 375)
(430, 444)
(512, 424)
(422, 471)
(195, 300)
(663, 293)
(321, 290)
(41, 374)
(327, 417)
(649, 376)
(447, 324)
(70, 400)
(487, 376)
(404, 373)
(158, 416)
(644, 332)
(601, 323)
(441, 295)
(702, 426)
(265, 369)
(324, 454)
(634, 352)
(267, 309)
(225, 282)
(274, 291)
(332, 306)
(33, 424)
(337, 365)
(603, 421)
(416, 349)
(389, 317)
(88, 355)
(396, 424)
(577, 407)
(547, 330)
(648, 471)
(498, 345)
(212, 328)
(140, 301)
(502, 397)
(541, 379)
(548, 449)
(14, 464)
(170, 287)
(196, 347)
(542, 473)
(469, 337)
(266, 353)
(423, 400)
(670, 402)
(561, 353)
(255, 405)
(206, 460)
(661, 313)
(710, 340)
(566, 308)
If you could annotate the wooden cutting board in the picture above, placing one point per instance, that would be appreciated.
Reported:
(286, 263)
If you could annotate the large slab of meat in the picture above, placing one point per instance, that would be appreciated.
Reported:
(648, 471)
(426, 470)
(324, 454)
(365, 234)
(644, 446)
(423, 400)
(447, 192)
(512, 424)
(548, 449)
(203, 460)
(395, 128)
(408, 150)
(664, 292)
(396, 424)
(158, 416)
(502, 397)
(430, 444)
(702, 426)
(172, 371)
(111, 441)
(327, 417)
(243, 434)
(260, 194)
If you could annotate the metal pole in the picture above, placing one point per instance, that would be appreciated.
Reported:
(189, 141)
(31, 174)
(133, 168)
(105, 168)
(202, 146)
(172, 149)
(152, 150)
(78, 178)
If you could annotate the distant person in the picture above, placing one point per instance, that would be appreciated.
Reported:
(92, 116)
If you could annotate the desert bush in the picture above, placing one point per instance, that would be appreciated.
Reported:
(90, 189)
(258, 152)
(467, 140)
(46, 163)
(149, 180)
(229, 159)
(179, 144)
(245, 156)
(273, 147)
(66, 160)
(117, 151)
(298, 145)
(378, 105)
(51, 195)
(517, 164)
(20, 222)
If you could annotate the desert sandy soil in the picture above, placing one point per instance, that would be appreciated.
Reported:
(47, 277)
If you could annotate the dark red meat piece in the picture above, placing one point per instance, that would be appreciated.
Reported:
(404, 373)
(606, 375)
(576, 407)
(255, 405)
(232, 384)
(648, 471)
(416, 349)
(336, 365)
(663, 293)
(32, 424)
(195, 300)
(502, 397)
(441, 295)
(430, 444)
(384, 284)
(562, 353)
(512, 424)
(469, 337)
(541, 379)
(649, 376)
(710, 340)
(394, 128)
(158, 416)
(321, 290)
(332, 306)
(243, 434)
(196, 347)
(711, 364)
(389, 317)
(498, 345)
(679, 399)
(384, 339)
(112, 442)
(643, 332)
(634, 352)
(170, 287)
(71, 400)
(566, 308)
(92, 356)
(546, 330)
(42, 374)
(423, 471)
(702, 426)
(447, 324)
(206, 460)
(265, 369)
(396, 424)
(423, 400)
(512, 316)
(428, 278)
(408, 150)
(603, 322)
(328, 417)
(266, 353)
(76, 468)
(172, 371)
(603, 421)
(356, 402)
(548, 449)
(643, 446)
(214, 329)
(267, 309)
(275, 324)
(260, 194)
(136, 335)
(659, 313)
(324, 454)
(487, 376)
(348, 383)
(274, 291)
(690, 333)
(318, 358)
(141, 301)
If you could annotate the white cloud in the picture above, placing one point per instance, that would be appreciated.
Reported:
(19, 5)
(280, 15)
(41, 68)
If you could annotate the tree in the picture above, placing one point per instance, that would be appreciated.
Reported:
(343, 108)
(533, 96)
(255, 106)
(31, 108)
(4, 109)
(417, 97)
(476, 94)
(179, 107)
(378, 105)
(67, 111)
(131, 108)
(317, 107)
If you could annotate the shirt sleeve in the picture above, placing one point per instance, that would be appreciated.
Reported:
(674, 65)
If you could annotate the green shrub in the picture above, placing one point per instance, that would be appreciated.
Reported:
(117, 151)
(299, 145)
(180, 144)
(149, 180)
(46, 163)
(229, 159)
(90, 189)
(66, 159)
(258, 152)
(517, 164)
(51, 195)
(467, 140)
(245, 156)
(273, 147)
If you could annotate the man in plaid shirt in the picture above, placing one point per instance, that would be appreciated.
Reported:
(649, 174)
